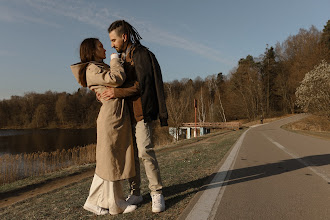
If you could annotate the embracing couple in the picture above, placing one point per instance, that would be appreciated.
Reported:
(132, 95)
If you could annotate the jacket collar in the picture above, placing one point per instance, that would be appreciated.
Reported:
(128, 50)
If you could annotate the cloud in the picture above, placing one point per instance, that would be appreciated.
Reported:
(81, 11)
(89, 13)
(163, 37)
(14, 16)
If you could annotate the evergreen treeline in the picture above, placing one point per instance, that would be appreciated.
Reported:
(261, 86)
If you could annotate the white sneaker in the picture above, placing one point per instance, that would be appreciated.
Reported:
(134, 200)
(95, 209)
(158, 203)
(130, 208)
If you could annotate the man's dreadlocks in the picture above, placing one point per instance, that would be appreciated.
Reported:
(123, 27)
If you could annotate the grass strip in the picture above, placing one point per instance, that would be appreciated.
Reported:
(184, 166)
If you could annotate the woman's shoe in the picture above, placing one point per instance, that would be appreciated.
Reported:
(130, 208)
(95, 209)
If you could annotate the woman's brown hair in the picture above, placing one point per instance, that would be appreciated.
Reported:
(87, 54)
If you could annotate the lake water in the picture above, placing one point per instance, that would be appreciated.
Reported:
(34, 140)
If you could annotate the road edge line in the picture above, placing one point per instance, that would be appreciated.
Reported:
(204, 207)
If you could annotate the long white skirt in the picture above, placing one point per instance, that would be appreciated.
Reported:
(107, 195)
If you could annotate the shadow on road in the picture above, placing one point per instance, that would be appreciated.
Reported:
(243, 175)
(266, 170)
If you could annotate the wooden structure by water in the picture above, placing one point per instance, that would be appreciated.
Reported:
(220, 125)
(203, 127)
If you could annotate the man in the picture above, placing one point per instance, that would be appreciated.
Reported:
(145, 106)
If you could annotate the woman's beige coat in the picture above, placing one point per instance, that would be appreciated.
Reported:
(114, 149)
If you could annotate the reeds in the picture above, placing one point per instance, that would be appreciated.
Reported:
(20, 166)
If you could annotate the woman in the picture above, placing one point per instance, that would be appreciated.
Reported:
(114, 148)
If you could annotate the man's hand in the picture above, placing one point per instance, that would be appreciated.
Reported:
(108, 94)
(98, 96)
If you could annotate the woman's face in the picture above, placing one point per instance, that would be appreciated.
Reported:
(99, 52)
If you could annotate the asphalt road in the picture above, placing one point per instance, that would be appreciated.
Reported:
(271, 174)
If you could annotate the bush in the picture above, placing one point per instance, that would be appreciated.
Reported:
(313, 95)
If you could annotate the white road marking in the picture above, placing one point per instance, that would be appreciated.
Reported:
(305, 163)
(213, 193)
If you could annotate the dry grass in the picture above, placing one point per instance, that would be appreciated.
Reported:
(160, 135)
(312, 125)
(30, 182)
(185, 166)
(20, 166)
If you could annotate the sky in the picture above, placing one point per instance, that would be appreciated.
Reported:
(40, 39)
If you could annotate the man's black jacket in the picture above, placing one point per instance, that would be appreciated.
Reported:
(150, 80)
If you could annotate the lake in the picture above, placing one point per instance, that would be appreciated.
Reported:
(14, 141)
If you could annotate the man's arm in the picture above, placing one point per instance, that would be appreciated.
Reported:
(128, 89)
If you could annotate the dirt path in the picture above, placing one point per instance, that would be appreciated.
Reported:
(17, 196)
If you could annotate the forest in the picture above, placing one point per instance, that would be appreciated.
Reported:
(277, 82)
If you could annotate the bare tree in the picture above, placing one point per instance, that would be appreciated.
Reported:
(177, 103)
(40, 116)
(215, 91)
(298, 55)
(201, 107)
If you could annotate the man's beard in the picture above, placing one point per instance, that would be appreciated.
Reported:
(121, 49)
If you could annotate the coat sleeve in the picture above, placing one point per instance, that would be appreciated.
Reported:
(100, 76)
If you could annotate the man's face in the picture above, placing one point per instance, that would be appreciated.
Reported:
(118, 42)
